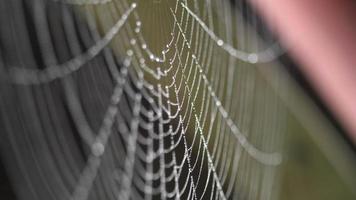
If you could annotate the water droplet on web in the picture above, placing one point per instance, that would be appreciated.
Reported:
(127, 62)
(252, 58)
(130, 52)
(220, 42)
(142, 60)
(98, 149)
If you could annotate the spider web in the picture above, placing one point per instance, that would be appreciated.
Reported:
(114, 99)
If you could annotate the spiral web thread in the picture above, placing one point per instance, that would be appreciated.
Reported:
(94, 106)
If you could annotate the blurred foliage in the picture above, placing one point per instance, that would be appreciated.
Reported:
(306, 173)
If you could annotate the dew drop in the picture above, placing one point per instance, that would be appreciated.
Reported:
(98, 149)
(252, 58)
(142, 60)
(127, 62)
(130, 52)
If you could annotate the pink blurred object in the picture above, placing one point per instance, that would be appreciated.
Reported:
(321, 36)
